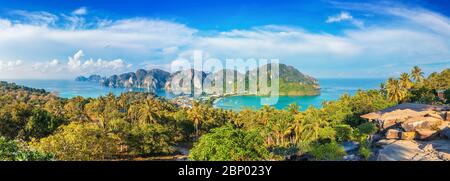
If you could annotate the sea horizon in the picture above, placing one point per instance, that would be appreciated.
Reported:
(331, 89)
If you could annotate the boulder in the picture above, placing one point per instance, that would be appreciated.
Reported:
(392, 134)
(444, 156)
(412, 124)
(400, 150)
(384, 142)
(350, 146)
(428, 148)
(410, 150)
(407, 135)
(437, 115)
(445, 133)
(426, 134)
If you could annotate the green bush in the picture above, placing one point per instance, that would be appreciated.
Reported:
(79, 141)
(148, 139)
(344, 132)
(328, 151)
(365, 152)
(12, 150)
(227, 143)
(367, 128)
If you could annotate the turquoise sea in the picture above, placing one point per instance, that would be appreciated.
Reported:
(331, 89)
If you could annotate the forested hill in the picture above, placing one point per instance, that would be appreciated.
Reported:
(37, 125)
(292, 81)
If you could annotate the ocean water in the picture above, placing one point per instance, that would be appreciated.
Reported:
(71, 88)
(331, 89)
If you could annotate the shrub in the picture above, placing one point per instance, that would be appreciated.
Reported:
(79, 141)
(328, 151)
(365, 152)
(227, 143)
(344, 132)
(12, 150)
(147, 139)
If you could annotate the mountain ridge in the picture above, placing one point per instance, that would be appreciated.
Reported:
(292, 81)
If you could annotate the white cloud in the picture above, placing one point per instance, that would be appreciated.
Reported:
(116, 64)
(80, 11)
(36, 18)
(10, 65)
(4, 23)
(75, 61)
(427, 19)
(74, 22)
(152, 42)
(169, 50)
(53, 65)
(76, 64)
(343, 16)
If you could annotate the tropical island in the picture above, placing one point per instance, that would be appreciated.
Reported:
(292, 81)
(405, 119)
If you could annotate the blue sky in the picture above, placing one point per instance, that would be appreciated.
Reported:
(323, 38)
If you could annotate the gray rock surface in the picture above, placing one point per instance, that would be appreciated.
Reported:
(410, 150)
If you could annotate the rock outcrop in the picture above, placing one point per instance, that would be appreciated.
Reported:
(92, 78)
(411, 121)
(410, 150)
(415, 132)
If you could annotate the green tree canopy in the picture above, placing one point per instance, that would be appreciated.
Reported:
(228, 143)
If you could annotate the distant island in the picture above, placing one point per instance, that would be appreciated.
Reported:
(292, 81)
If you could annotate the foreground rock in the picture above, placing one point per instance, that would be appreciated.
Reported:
(412, 132)
(411, 121)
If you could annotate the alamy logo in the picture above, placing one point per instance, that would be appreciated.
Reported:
(200, 77)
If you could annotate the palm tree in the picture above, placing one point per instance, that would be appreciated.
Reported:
(293, 108)
(383, 89)
(312, 124)
(148, 113)
(405, 82)
(395, 91)
(298, 128)
(196, 115)
(417, 74)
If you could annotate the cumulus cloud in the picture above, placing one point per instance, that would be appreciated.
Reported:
(53, 65)
(10, 65)
(76, 64)
(75, 61)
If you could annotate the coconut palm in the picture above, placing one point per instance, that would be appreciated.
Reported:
(298, 128)
(196, 115)
(293, 108)
(383, 88)
(417, 74)
(148, 113)
(395, 91)
(405, 82)
(312, 124)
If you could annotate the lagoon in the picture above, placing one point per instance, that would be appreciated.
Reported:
(331, 89)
